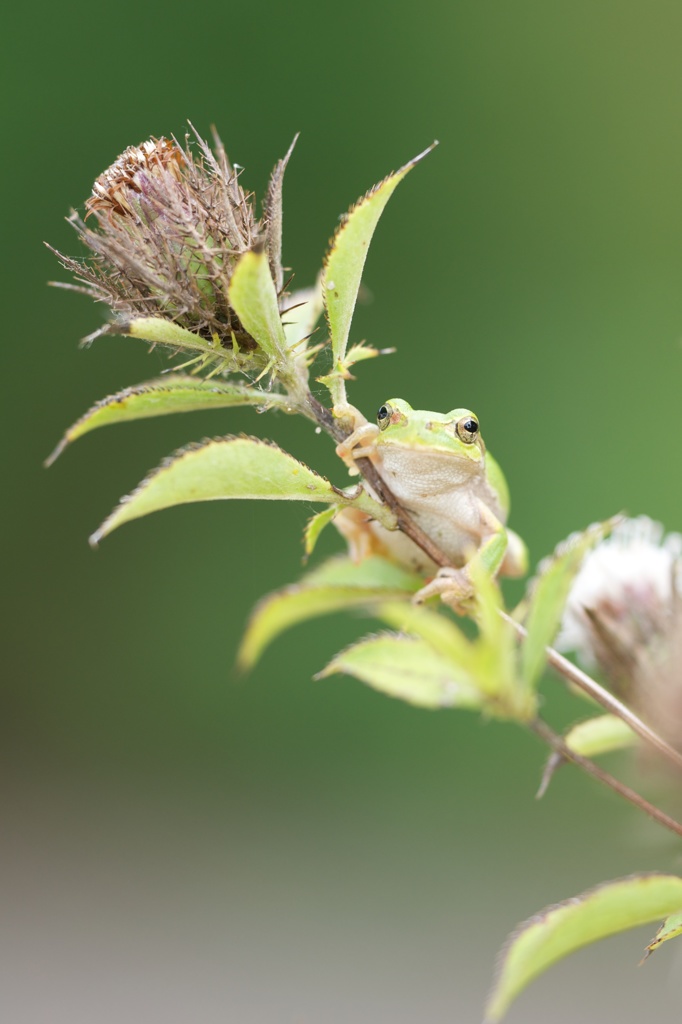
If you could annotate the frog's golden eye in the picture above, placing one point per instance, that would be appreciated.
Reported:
(384, 416)
(467, 429)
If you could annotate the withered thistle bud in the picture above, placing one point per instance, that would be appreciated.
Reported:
(624, 616)
(110, 191)
(165, 227)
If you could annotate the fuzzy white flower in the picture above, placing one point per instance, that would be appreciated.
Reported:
(633, 573)
(624, 615)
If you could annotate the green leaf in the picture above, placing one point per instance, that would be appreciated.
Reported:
(346, 258)
(562, 929)
(207, 351)
(440, 633)
(314, 528)
(334, 586)
(166, 332)
(161, 397)
(405, 667)
(600, 735)
(359, 353)
(507, 694)
(488, 605)
(670, 929)
(253, 297)
(221, 468)
(286, 608)
(372, 572)
(549, 591)
(486, 664)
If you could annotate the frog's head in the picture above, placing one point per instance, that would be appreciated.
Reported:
(452, 433)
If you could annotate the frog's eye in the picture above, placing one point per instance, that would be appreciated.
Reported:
(384, 416)
(467, 429)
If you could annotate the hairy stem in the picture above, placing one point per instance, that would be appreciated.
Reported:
(556, 742)
(610, 703)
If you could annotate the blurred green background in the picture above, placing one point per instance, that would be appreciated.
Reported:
(182, 844)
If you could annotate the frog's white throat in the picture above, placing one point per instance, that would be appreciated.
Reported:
(420, 473)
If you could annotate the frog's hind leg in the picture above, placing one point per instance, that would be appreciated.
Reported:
(455, 587)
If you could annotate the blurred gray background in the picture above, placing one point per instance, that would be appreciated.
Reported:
(181, 844)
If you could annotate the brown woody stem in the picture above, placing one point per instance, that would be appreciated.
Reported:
(369, 471)
(556, 742)
(610, 703)
(565, 668)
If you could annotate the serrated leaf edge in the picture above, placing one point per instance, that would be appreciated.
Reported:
(175, 457)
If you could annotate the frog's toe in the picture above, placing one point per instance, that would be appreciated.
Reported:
(453, 586)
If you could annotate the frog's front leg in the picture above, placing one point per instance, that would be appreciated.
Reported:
(360, 444)
(455, 587)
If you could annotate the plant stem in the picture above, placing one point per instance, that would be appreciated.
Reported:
(369, 471)
(547, 734)
(610, 703)
(567, 669)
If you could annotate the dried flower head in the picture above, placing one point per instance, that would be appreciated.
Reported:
(128, 172)
(165, 226)
(624, 615)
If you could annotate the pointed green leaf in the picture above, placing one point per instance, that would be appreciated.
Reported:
(286, 608)
(334, 586)
(207, 351)
(372, 572)
(549, 591)
(600, 735)
(346, 258)
(488, 604)
(253, 297)
(562, 929)
(221, 468)
(165, 332)
(161, 397)
(670, 929)
(405, 667)
(315, 526)
(359, 353)
(358, 497)
(486, 664)
(508, 696)
(443, 635)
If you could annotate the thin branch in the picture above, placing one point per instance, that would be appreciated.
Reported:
(571, 672)
(610, 703)
(369, 471)
(547, 734)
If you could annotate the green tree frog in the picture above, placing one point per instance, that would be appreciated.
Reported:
(437, 467)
